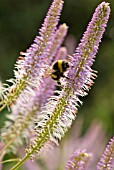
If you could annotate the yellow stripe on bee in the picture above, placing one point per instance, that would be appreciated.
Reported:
(60, 65)
(53, 76)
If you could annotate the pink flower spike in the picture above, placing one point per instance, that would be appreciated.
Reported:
(107, 160)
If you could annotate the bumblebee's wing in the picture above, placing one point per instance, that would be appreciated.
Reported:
(48, 72)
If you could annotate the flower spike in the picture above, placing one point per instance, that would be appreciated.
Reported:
(79, 160)
(40, 49)
(107, 160)
(26, 109)
(86, 51)
(31, 68)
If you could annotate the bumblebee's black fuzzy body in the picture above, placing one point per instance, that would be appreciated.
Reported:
(59, 67)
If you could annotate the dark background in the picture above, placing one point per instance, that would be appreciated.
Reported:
(19, 24)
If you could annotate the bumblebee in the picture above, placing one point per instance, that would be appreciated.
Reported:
(58, 70)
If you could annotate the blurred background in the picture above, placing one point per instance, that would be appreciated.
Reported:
(20, 21)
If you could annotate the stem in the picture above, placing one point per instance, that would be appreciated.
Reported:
(1, 102)
(27, 156)
(10, 160)
(20, 163)
(3, 150)
(3, 107)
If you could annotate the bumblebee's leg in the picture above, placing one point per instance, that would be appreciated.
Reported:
(58, 88)
(58, 82)
(62, 75)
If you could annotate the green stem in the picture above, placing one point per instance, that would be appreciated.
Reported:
(27, 156)
(3, 107)
(3, 150)
(10, 160)
(1, 103)
(20, 163)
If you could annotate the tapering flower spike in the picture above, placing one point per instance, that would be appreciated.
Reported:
(107, 160)
(58, 40)
(30, 69)
(27, 108)
(40, 49)
(62, 54)
(86, 51)
(79, 160)
(57, 115)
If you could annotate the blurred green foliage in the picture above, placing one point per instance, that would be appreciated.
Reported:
(19, 24)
